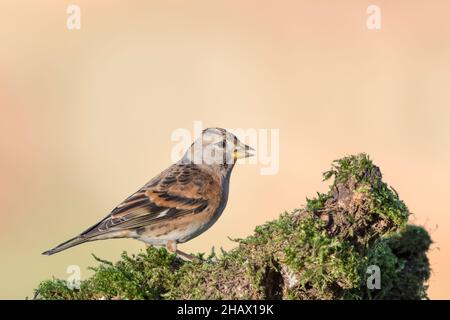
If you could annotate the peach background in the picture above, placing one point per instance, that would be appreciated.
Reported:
(86, 116)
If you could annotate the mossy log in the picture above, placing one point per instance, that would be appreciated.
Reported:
(321, 251)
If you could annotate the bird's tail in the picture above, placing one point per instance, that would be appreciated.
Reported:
(66, 245)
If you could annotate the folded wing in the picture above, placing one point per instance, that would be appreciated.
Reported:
(180, 190)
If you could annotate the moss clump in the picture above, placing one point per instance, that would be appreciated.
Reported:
(147, 275)
(359, 170)
(317, 203)
(324, 266)
(319, 252)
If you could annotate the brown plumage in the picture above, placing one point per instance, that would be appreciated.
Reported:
(178, 204)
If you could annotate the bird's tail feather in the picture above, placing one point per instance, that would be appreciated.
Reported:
(66, 245)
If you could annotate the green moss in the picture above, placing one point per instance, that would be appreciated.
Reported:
(412, 240)
(387, 204)
(56, 289)
(323, 263)
(403, 262)
(319, 252)
(358, 167)
(382, 256)
(361, 171)
(280, 228)
(317, 203)
(147, 275)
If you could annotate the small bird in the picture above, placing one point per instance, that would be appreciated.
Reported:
(180, 203)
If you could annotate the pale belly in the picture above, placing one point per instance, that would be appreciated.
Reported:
(179, 230)
(177, 235)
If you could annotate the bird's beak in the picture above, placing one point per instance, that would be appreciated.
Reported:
(243, 151)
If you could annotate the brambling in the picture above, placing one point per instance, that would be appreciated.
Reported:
(180, 203)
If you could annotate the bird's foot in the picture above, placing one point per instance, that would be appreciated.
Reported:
(186, 256)
(172, 247)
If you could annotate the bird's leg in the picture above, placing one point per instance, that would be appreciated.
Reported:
(172, 247)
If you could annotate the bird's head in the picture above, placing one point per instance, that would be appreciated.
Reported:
(217, 146)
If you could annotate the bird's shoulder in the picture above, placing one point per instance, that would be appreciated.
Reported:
(190, 180)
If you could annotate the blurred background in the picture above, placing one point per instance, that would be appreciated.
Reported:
(86, 115)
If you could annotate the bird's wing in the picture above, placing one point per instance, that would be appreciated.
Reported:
(180, 190)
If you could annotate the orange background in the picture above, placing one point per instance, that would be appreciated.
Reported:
(86, 115)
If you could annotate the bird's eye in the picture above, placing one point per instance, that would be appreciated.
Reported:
(221, 144)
